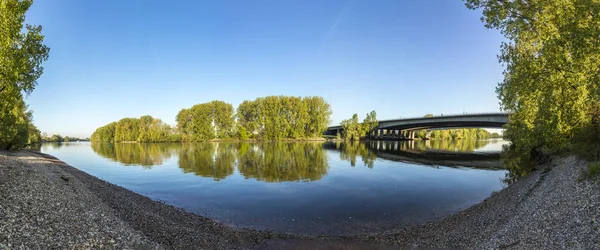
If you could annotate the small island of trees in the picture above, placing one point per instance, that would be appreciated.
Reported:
(265, 118)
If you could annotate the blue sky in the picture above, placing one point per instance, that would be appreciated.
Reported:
(114, 59)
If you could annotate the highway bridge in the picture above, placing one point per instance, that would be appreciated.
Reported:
(404, 128)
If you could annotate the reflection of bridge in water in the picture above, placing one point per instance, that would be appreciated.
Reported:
(433, 153)
(406, 152)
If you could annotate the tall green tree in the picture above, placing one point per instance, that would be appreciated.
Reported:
(319, 113)
(552, 60)
(283, 117)
(105, 133)
(223, 119)
(370, 123)
(352, 129)
(248, 120)
(143, 129)
(206, 121)
(22, 53)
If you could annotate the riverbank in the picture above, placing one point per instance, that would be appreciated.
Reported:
(45, 203)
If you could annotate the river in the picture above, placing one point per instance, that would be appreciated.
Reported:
(302, 187)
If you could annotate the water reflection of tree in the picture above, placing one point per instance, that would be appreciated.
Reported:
(349, 151)
(144, 154)
(282, 161)
(432, 145)
(214, 160)
(456, 145)
(517, 164)
(53, 145)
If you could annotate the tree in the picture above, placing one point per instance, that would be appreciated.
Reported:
(56, 138)
(369, 123)
(22, 53)
(552, 73)
(143, 129)
(352, 129)
(105, 133)
(207, 121)
(223, 119)
(319, 113)
(248, 119)
(271, 117)
(281, 117)
(34, 134)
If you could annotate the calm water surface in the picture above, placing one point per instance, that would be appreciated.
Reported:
(302, 187)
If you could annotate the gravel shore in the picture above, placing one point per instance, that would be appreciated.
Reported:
(45, 203)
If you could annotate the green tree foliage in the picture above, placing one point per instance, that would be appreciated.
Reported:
(22, 53)
(206, 121)
(105, 133)
(127, 130)
(319, 113)
(271, 118)
(155, 130)
(34, 135)
(354, 131)
(552, 75)
(223, 119)
(248, 119)
(283, 117)
(143, 129)
(56, 138)
(370, 123)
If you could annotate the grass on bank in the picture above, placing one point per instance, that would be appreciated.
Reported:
(592, 171)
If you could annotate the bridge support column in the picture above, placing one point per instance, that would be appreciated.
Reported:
(411, 135)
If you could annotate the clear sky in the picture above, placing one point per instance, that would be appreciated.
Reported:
(116, 58)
